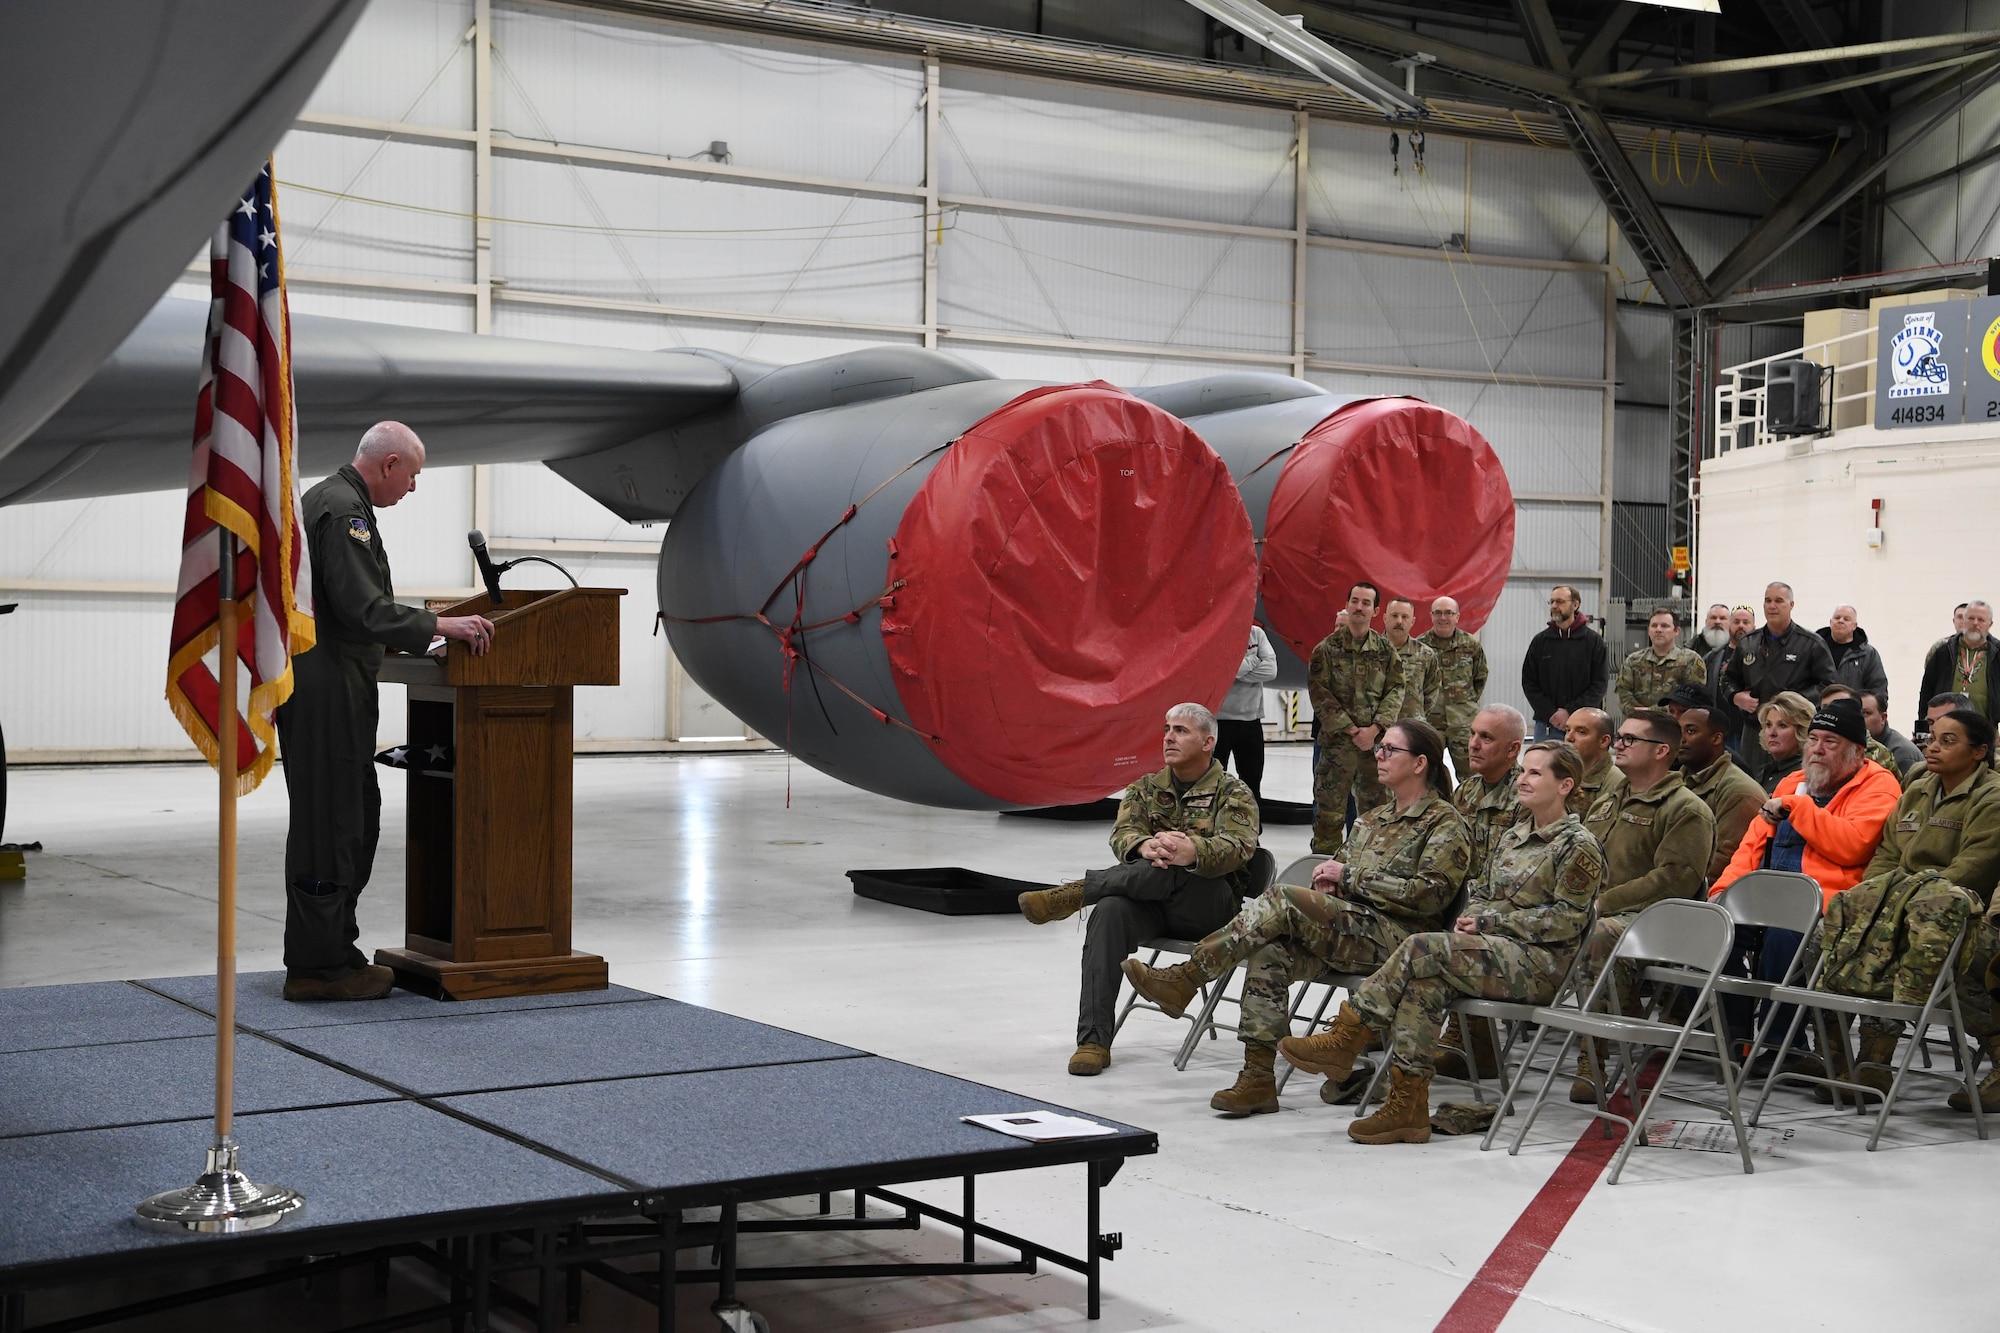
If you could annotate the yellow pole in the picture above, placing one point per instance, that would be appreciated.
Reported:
(225, 883)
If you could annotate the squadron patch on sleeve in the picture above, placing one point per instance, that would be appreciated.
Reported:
(357, 528)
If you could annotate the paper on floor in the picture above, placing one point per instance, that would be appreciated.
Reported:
(1714, 1136)
(1040, 1126)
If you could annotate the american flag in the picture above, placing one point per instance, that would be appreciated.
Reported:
(242, 479)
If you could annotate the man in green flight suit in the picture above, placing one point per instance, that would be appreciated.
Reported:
(1355, 682)
(1184, 840)
(326, 730)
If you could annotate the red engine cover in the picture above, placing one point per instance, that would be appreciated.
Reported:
(1076, 564)
(1398, 493)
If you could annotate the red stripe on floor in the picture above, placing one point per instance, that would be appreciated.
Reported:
(1483, 1304)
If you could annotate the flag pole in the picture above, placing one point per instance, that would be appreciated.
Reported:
(225, 851)
(222, 1198)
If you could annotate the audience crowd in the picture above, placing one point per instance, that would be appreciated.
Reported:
(1755, 744)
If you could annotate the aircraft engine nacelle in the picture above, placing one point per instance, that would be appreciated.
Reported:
(1395, 491)
(982, 595)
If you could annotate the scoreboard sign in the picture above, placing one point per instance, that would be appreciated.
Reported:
(1920, 366)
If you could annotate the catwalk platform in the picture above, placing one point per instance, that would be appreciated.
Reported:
(563, 1134)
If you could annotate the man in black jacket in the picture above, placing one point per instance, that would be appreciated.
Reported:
(1781, 656)
(1566, 666)
(1963, 664)
(1856, 662)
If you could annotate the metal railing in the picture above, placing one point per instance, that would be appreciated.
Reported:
(1847, 391)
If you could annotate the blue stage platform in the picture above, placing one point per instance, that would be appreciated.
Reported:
(564, 1134)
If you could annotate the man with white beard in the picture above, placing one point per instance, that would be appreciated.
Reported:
(1714, 630)
(1826, 820)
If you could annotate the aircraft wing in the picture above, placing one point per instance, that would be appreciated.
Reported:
(130, 130)
(472, 399)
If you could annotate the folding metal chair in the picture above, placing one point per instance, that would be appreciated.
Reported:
(1771, 899)
(1922, 1016)
(1263, 871)
(1510, 1015)
(1696, 936)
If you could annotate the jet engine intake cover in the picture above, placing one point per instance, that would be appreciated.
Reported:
(1396, 492)
(1076, 564)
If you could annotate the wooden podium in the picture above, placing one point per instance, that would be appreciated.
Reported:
(487, 870)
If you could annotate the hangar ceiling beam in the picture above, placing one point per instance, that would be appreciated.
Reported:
(1796, 23)
(1774, 240)
(1702, 69)
(1598, 48)
(1638, 215)
(1539, 84)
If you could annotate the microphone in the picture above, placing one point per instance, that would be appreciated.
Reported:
(487, 573)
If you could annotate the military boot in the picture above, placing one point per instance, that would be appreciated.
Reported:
(1255, 1091)
(1876, 1047)
(1404, 1118)
(1331, 1052)
(1042, 906)
(1090, 1059)
(1589, 1063)
(1475, 1035)
(1989, 1087)
(1171, 988)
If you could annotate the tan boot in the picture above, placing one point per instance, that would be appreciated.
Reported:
(1404, 1118)
(1331, 1052)
(1042, 906)
(1255, 1091)
(1989, 1087)
(1876, 1047)
(1090, 1059)
(1171, 988)
(1457, 1037)
(1589, 1063)
(363, 983)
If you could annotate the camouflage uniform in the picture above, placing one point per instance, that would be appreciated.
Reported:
(1489, 812)
(1531, 905)
(1657, 844)
(1601, 777)
(1957, 834)
(1884, 756)
(1462, 683)
(1423, 697)
(1733, 797)
(1644, 679)
(1135, 900)
(1351, 685)
(1403, 873)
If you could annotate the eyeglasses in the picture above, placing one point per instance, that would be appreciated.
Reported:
(1386, 748)
(1625, 738)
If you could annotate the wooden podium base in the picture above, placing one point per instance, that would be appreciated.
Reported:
(444, 980)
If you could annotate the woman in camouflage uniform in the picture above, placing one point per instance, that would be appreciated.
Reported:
(1522, 921)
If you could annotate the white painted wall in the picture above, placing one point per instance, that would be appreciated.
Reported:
(1800, 513)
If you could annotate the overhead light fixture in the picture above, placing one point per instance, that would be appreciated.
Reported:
(1698, 6)
(1285, 35)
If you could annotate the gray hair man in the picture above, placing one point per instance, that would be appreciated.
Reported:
(1963, 664)
(1184, 840)
(326, 730)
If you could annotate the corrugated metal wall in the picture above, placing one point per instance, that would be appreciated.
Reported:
(1085, 232)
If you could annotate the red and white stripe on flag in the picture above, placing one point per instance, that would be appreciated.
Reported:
(242, 479)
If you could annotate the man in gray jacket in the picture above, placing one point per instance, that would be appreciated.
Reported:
(1239, 724)
(1856, 662)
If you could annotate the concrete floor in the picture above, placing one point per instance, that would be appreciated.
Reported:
(695, 880)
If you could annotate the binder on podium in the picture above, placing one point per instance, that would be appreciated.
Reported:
(488, 860)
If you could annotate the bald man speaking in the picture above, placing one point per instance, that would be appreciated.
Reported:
(326, 730)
